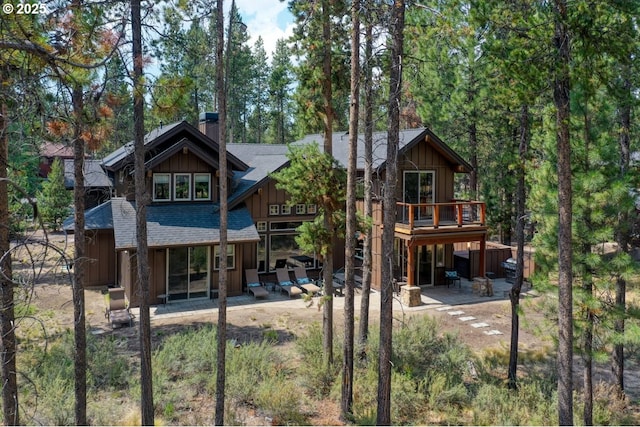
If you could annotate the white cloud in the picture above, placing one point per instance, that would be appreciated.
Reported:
(268, 19)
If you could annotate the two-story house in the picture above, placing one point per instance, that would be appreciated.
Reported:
(183, 178)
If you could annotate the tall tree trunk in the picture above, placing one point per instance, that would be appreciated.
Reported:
(141, 196)
(222, 79)
(473, 146)
(514, 294)
(386, 287)
(623, 230)
(368, 179)
(79, 324)
(561, 96)
(79, 321)
(327, 274)
(352, 229)
(7, 314)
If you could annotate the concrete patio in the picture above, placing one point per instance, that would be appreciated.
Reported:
(431, 298)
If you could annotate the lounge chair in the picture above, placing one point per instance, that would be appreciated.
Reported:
(254, 285)
(304, 282)
(285, 283)
(118, 308)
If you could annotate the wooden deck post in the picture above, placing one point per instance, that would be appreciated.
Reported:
(410, 262)
(483, 258)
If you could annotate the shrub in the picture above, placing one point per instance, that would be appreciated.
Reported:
(247, 367)
(312, 373)
(280, 399)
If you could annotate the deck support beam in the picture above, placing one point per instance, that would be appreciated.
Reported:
(410, 262)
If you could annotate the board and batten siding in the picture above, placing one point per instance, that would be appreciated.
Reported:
(100, 269)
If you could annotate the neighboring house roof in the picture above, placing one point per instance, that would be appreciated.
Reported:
(53, 149)
(161, 135)
(94, 175)
(98, 218)
(179, 224)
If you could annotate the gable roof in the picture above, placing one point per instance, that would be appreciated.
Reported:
(161, 135)
(264, 159)
(409, 138)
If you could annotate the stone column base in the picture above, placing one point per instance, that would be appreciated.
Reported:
(410, 295)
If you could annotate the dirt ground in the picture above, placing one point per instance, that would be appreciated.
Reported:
(289, 318)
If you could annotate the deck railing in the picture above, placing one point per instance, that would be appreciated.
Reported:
(435, 215)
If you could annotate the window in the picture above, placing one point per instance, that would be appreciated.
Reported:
(161, 185)
(262, 254)
(440, 255)
(261, 226)
(285, 210)
(231, 257)
(311, 209)
(285, 225)
(182, 186)
(202, 186)
(300, 209)
(274, 209)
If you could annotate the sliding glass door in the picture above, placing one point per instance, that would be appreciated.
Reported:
(418, 187)
(188, 273)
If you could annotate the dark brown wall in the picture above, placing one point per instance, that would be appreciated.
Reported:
(495, 255)
(100, 269)
(423, 157)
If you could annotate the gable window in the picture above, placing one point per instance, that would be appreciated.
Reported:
(161, 186)
(300, 209)
(285, 210)
(182, 186)
(231, 257)
(202, 186)
(274, 209)
(311, 209)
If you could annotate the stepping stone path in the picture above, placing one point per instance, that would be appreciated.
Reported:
(480, 325)
(450, 312)
(455, 313)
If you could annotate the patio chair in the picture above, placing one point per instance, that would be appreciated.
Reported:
(304, 282)
(118, 308)
(451, 277)
(285, 284)
(254, 285)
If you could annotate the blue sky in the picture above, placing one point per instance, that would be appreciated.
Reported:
(269, 19)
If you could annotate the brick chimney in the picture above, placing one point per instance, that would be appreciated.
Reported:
(209, 125)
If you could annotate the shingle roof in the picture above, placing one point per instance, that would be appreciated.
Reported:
(262, 160)
(94, 175)
(408, 138)
(174, 224)
(98, 218)
(127, 149)
(157, 137)
(266, 158)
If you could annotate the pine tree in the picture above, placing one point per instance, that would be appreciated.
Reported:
(54, 199)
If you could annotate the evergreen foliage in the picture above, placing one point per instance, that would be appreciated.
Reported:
(314, 177)
(54, 200)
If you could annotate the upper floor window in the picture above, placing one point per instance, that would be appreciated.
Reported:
(202, 186)
(182, 186)
(161, 186)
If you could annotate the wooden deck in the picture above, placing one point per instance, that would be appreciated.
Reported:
(433, 218)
